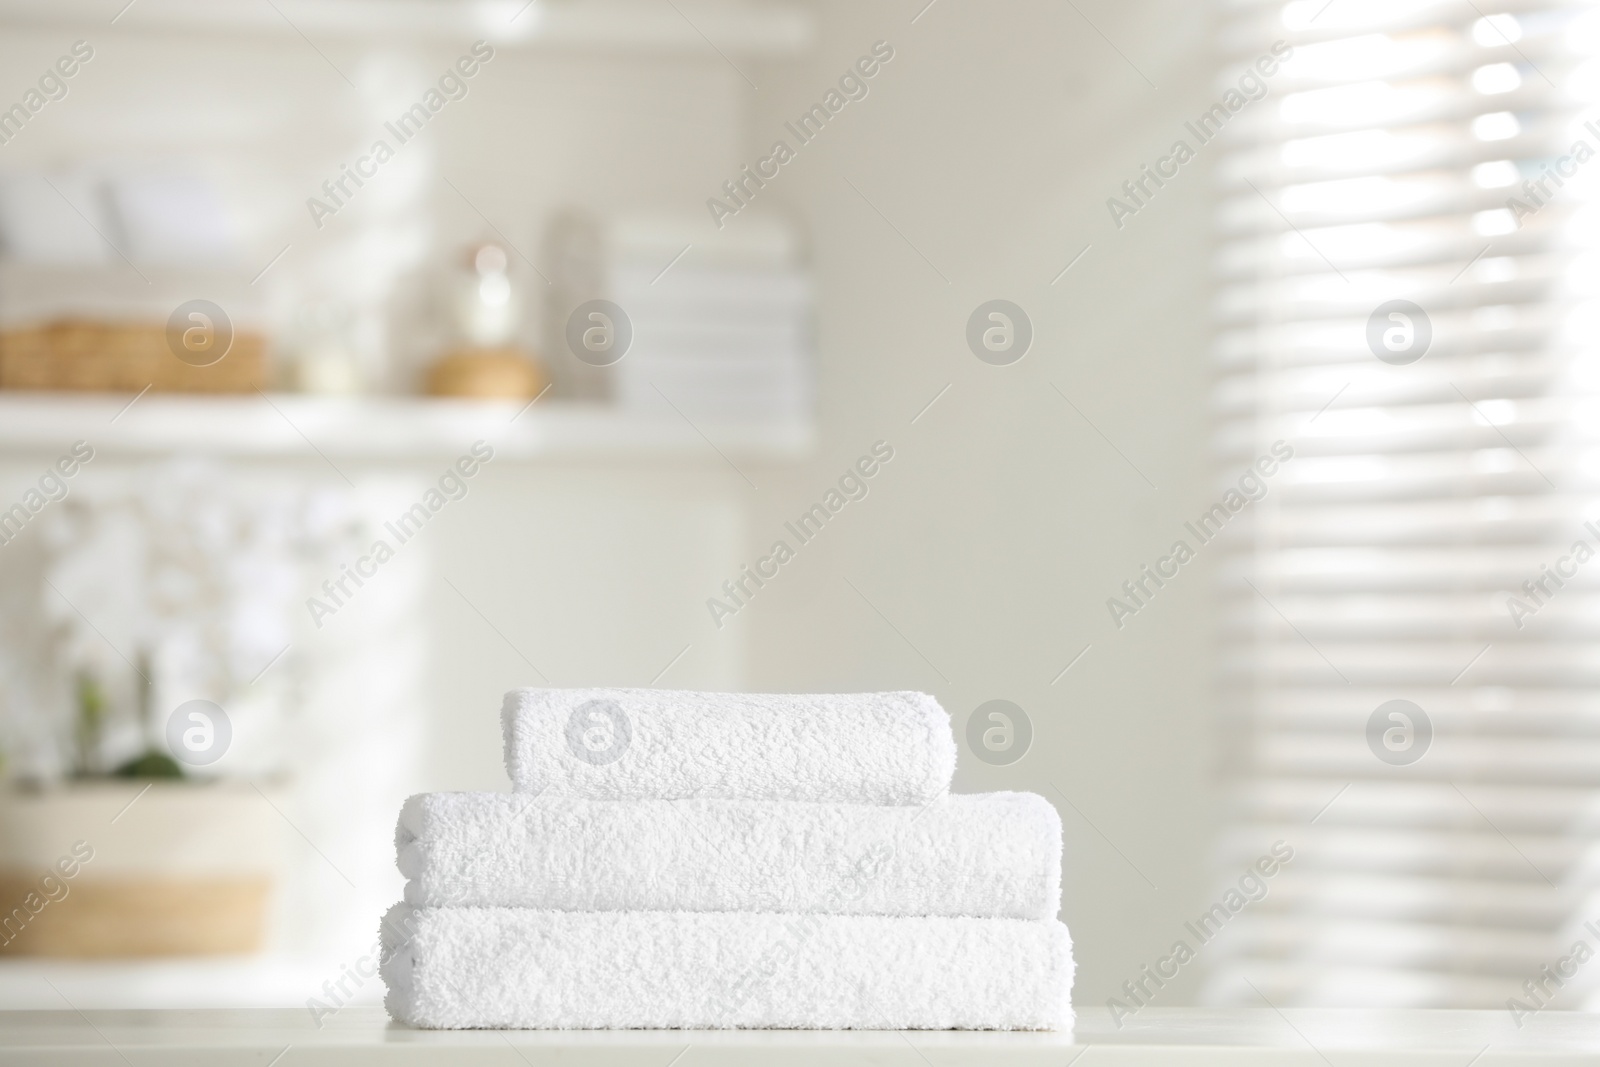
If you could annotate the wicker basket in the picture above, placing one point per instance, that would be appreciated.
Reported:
(112, 918)
(79, 355)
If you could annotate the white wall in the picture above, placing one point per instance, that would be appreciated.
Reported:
(991, 141)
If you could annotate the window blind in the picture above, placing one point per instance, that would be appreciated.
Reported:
(1444, 856)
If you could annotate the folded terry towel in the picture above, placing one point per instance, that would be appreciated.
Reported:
(992, 855)
(663, 744)
(455, 968)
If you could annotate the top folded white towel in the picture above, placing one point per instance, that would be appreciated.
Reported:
(639, 744)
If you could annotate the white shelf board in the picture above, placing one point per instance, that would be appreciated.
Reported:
(172, 983)
(1156, 1037)
(628, 25)
(295, 426)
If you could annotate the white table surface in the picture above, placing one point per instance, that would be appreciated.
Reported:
(1204, 1037)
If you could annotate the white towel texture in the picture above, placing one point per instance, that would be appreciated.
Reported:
(640, 744)
(986, 855)
(717, 860)
(455, 968)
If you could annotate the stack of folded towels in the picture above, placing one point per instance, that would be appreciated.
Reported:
(706, 860)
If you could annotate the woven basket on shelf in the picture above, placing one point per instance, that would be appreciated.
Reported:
(122, 357)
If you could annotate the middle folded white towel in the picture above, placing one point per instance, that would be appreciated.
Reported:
(986, 855)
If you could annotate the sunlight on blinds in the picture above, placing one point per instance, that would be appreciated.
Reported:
(1408, 264)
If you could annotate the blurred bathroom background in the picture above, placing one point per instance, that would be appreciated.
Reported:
(575, 343)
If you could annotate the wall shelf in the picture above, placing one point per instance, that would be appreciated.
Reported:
(296, 426)
(627, 25)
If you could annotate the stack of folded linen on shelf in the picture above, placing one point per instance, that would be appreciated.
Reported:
(729, 342)
(720, 320)
(706, 860)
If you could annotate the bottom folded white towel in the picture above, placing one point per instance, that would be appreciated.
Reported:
(517, 968)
